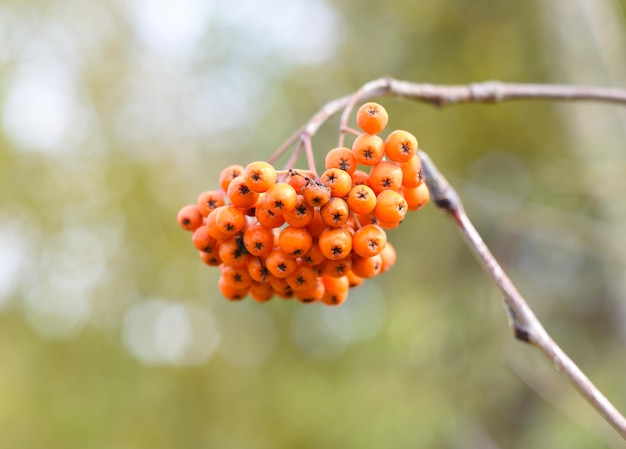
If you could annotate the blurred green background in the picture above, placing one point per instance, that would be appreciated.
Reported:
(113, 334)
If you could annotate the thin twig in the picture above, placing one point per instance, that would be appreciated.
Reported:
(525, 325)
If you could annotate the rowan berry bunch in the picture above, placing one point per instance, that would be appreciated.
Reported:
(292, 233)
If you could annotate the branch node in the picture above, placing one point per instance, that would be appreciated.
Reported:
(488, 92)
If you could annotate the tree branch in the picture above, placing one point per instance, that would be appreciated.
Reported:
(525, 325)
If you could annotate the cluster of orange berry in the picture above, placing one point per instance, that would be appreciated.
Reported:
(293, 234)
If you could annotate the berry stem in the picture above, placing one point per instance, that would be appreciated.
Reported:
(522, 320)
(306, 140)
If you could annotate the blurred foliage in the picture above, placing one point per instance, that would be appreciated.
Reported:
(113, 334)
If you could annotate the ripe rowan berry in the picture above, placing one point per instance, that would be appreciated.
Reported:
(279, 263)
(315, 255)
(234, 253)
(361, 199)
(317, 225)
(335, 213)
(301, 215)
(209, 200)
(213, 229)
(189, 217)
(353, 279)
(336, 243)
(237, 277)
(230, 292)
(211, 258)
(313, 294)
(261, 292)
(303, 277)
(296, 180)
(266, 216)
(315, 193)
(240, 194)
(280, 285)
(359, 177)
(388, 257)
(258, 240)
(259, 176)
(341, 158)
(400, 146)
(385, 176)
(416, 198)
(336, 268)
(335, 290)
(338, 180)
(366, 267)
(369, 241)
(372, 118)
(202, 240)
(281, 197)
(295, 242)
(368, 149)
(412, 175)
(228, 174)
(391, 207)
(229, 219)
(258, 271)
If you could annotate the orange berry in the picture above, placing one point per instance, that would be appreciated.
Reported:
(296, 180)
(258, 240)
(315, 193)
(338, 180)
(400, 146)
(189, 217)
(228, 174)
(315, 255)
(388, 257)
(359, 177)
(361, 199)
(317, 225)
(385, 176)
(280, 264)
(234, 253)
(237, 277)
(240, 194)
(209, 200)
(281, 197)
(372, 118)
(257, 271)
(230, 292)
(353, 279)
(212, 228)
(391, 207)
(211, 258)
(261, 292)
(336, 268)
(369, 241)
(416, 198)
(280, 285)
(336, 243)
(202, 240)
(259, 176)
(313, 294)
(303, 277)
(301, 215)
(412, 175)
(341, 158)
(295, 242)
(366, 267)
(368, 149)
(335, 213)
(335, 290)
(229, 219)
(266, 216)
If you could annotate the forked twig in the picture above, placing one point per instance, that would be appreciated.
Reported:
(525, 325)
